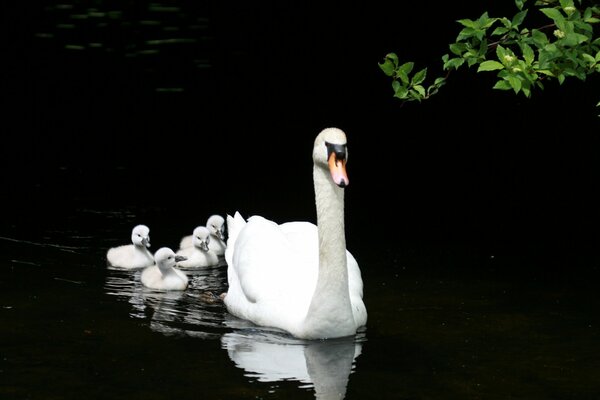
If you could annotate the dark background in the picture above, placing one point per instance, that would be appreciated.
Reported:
(505, 176)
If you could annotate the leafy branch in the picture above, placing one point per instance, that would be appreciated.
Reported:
(523, 58)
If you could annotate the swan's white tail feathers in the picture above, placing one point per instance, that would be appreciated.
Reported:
(234, 225)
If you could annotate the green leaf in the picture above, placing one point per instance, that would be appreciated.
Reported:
(528, 53)
(515, 83)
(407, 67)
(420, 89)
(419, 77)
(392, 57)
(545, 72)
(502, 85)
(467, 23)
(519, 4)
(500, 52)
(401, 92)
(518, 18)
(403, 76)
(490, 65)
(458, 48)
(403, 71)
(539, 38)
(573, 39)
(589, 58)
(566, 3)
(597, 57)
(553, 14)
(439, 82)
(387, 67)
(465, 34)
(499, 31)
(485, 21)
(454, 63)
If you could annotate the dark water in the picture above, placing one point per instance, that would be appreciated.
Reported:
(72, 326)
(478, 249)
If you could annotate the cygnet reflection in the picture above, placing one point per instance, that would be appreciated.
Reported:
(272, 356)
(180, 313)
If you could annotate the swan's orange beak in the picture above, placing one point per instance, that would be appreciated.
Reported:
(337, 168)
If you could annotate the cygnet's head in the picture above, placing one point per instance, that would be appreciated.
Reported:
(201, 238)
(140, 236)
(166, 258)
(330, 151)
(216, 226)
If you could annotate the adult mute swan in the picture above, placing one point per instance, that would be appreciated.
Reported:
(134, 255)
(199, 255)
(164, 275)
(216, 225)
(297, 276)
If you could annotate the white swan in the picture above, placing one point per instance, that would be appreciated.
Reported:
(134, 255)
(164, 275)
(297, 276)
(199, 255)
(216, 225)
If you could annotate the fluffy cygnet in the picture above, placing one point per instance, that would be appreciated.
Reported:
(164, 275)
(199, 255)
(134, 255)
(216, 226)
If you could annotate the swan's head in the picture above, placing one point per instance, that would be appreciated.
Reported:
(201, 238)
(140, 236)
(165, 258)
(331, 152)
(216, 226)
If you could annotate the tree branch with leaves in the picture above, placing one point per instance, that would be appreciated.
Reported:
(565, 46)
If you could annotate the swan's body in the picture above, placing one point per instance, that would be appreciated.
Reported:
(297, 276)
(216, 225)
(199, 255)
(135, 255)
(164, 275)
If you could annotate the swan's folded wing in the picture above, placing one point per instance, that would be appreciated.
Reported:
(276, 261)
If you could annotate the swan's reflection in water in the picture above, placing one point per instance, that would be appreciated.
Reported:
(266, 355)
(271, 356)
(193, 312)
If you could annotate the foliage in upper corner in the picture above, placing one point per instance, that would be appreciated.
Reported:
(522, 57)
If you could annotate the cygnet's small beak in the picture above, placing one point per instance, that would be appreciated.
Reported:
(179, 258)
(221, 233)
(204, 246)
(146, 242)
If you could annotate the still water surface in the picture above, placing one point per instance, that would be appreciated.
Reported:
(72, 326)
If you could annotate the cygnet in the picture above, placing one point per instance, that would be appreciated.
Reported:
(216, 226)
(134, 255)
(199, 255)
(164, 275)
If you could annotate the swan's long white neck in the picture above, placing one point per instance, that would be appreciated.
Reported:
(330, 307)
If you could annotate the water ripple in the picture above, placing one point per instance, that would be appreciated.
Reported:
(195, 312)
